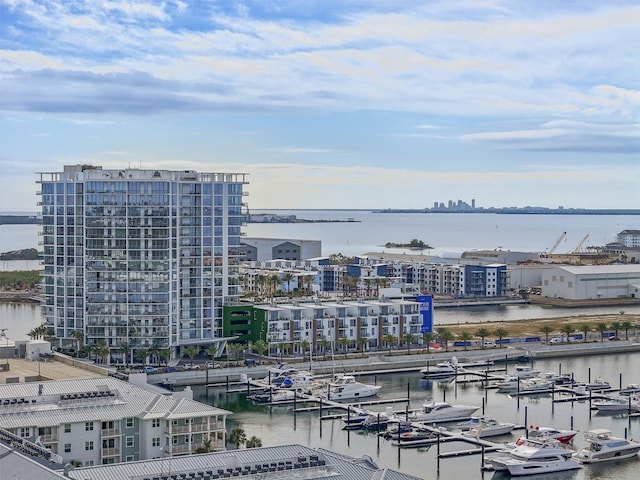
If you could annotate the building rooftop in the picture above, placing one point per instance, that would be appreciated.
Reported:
(54, 403)
(280, 462)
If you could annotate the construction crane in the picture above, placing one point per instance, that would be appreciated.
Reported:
(555, 245)
(577, 248)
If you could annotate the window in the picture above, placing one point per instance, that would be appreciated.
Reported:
(155, 442)
(24, 432)
(88, 446)
(67, 428)
(129, 441)
(129, 422)
(88, 426)
(67, 447)
(88, 463)
(129, 458)
(155, 423)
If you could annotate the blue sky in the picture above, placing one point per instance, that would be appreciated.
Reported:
(331, 103)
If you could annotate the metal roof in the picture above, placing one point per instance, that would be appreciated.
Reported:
(335, 466)
(70, 401)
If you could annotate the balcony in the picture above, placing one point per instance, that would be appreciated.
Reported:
(111, 452)
(110, 432)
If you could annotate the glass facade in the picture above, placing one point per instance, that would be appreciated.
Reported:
(147, 257)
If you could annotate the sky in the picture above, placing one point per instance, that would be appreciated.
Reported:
(331, 103)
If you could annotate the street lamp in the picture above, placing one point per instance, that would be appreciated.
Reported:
(4, 334)
(38, 350)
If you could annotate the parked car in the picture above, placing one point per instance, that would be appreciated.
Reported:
(150, 370)
(250, 362)
(212, 365)
(191, 366)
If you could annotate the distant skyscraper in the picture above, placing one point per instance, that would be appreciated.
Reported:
(146, 257)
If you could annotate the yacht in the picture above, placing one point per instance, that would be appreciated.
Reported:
(525, 371)
(346, 387)
(603, 446)
(488, 427)
(535, 385)
(547, 433)
(509, 384)
(436, 412)
(535, 457)
(630, 389)
(617, 404)
(440, 370)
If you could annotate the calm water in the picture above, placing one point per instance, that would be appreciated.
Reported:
(273, 425)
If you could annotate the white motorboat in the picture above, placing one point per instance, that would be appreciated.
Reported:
(346, 387)
(440, 370)
(547, 433)
(525, 371)
(535, 385)
(436, 412)
(535, 457)
(603, 446)
(597, 385)
(509, 384)
(630, 389)
(488, 427)
(617, 404)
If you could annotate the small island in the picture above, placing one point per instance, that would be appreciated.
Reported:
(414, 244)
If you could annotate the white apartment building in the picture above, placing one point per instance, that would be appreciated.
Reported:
(629, 238)
(142, 257)
(362, 324)
(105, 420)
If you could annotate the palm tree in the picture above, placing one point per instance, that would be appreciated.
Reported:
(237, 437)
(344, 343)
(324, 343)
(142, 354)
(207, 445)
(626, 325)
(211, 351)
(79, 336)
(260, 347)
(273, 281)
(482, 333)
(261, 281)
(465, 337)
(363, 340)
(389, 339)
(101, 350)
(287, 277)
(567, 329)
(125, 350)
(367, 283)
(616, 327)
(546, 329)
(500, 333)
(165, 354)
(253, 442)
(304, 345)
(427, 337)
(585, 329)
(307, 280)
(408, 338)
(602, 328)
(445, 335)
(191, 351)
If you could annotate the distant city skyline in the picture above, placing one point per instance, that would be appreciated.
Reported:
(331, 104)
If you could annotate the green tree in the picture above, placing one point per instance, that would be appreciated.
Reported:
(546, 329)
(344, 343)
(254, 442)
(362, 342)
(78, 335)
(191, 351)
(616, 326)
(101, 350)
(465, 337)
(125, 350)
(626, 326)
(142, 354)
(207, 445)
(602, 328)
(427, 337)
(304, 346)
(389, 339)
(585, 328)
(567, 329)
(288, 277)
(260, 347)
(444, 335)
(483, 333)
(282, 346)
(237, 437)
(500, 333)
(324, 344)
(211, 351)
(408, 338)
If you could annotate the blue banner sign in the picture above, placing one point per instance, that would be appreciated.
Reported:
(426, 310)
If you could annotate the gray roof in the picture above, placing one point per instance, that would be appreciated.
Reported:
(16, 465)
(599, 269)
(335, 467)
(49, 407)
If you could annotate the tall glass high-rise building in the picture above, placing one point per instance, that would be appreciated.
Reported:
(145, 258)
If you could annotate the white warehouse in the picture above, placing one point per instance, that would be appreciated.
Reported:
(592, 282)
